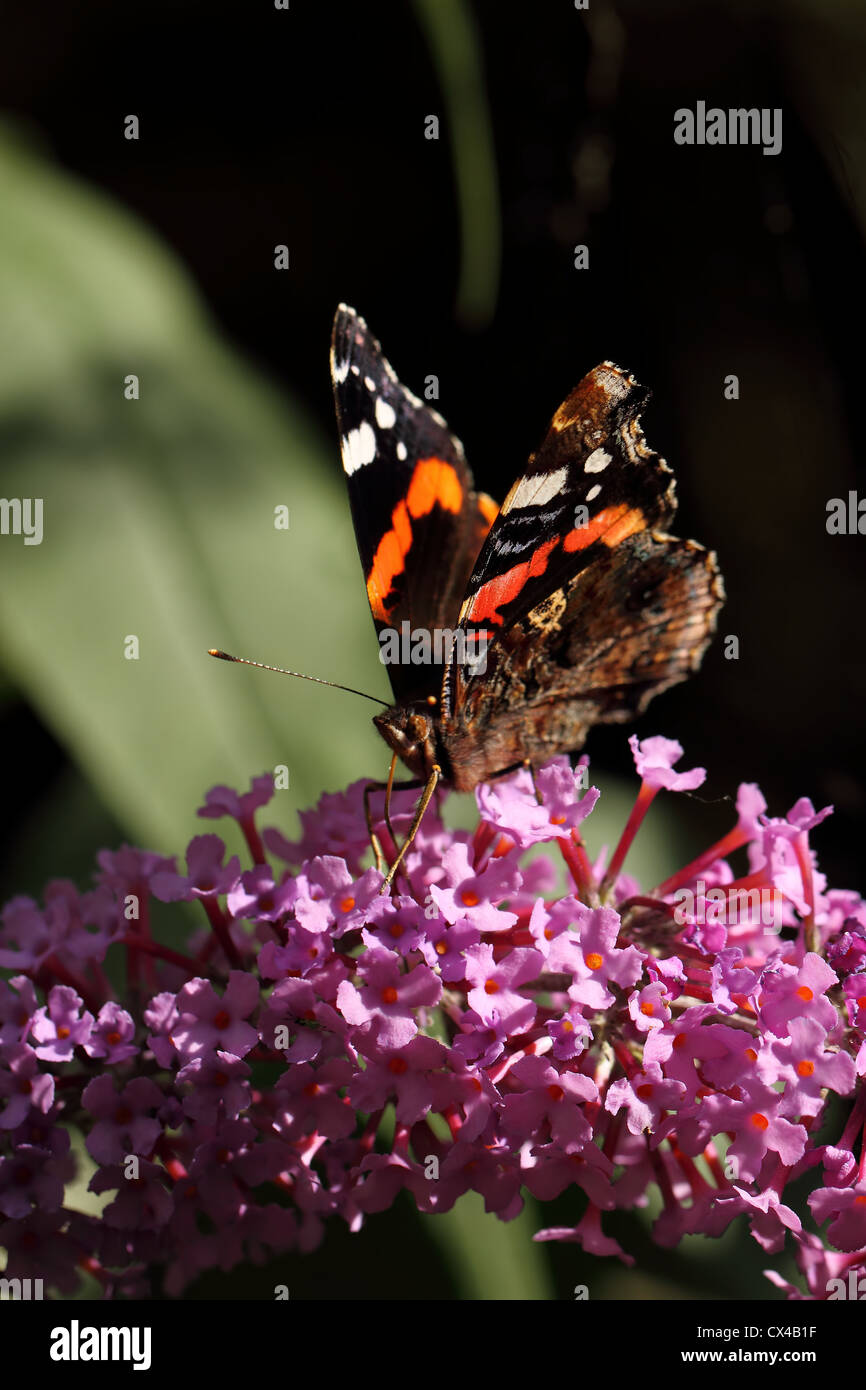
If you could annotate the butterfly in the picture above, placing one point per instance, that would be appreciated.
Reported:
(566, 607)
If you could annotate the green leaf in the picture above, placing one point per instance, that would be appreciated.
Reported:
(456, 50)
(159, 524)
(492, 1259)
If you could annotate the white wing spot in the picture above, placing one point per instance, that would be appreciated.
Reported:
(356, 370)
(597, 462)
(593, 492)
(385, 414)
(401, 450)
(341, 371)
(359, 447)
(369, 383)
(536, 491)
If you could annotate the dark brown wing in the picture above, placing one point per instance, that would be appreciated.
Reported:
(596, 650)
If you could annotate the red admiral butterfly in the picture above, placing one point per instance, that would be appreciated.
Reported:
(582, 607)
(518, 627)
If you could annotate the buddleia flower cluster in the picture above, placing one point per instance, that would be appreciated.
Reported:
(321, 1046)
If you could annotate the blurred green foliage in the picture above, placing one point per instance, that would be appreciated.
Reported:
(455, 48)
(159, 522)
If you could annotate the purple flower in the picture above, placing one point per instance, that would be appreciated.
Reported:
(223, 801)
(305, 953)
(496, 985)
(513, 807)
(646, 1096)
(463, 893)
(845, 1208)
(128, 870)
(759, 1127)
(259, 895)
(326, 898)
(32, 1179)
(444, 945)
(807, 1067)
(22, 1085)
(404, 1076)
(553, 1099)
(142, 1204)
(123, 1124)
(789, 991)
(25, 936)
(207, 875)
(654, 759)
(308, 1099)
(750, 808)
(601, 962)
(571, 1034)
(770, 1218)
(219, 1087)
(60, 1027)
(41, 1246)
(389, 995)
(208, 1022)
(18, 1004)
(112, 1036)
(316, 1048)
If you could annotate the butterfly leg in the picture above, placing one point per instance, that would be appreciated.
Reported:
(368, 816)
(423, 803)
(527, 765)
(387, 788)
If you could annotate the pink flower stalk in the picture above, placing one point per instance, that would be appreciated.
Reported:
(285, 1066)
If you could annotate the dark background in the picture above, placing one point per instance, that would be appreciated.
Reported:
(261, 127)
(306, 127)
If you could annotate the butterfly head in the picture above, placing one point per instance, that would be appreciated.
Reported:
(410, 732)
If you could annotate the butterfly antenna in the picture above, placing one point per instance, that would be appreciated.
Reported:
(242, 661)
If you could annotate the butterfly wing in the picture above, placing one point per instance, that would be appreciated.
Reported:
(418, 523)
(586, 609)
(593, 482)
(634, 622)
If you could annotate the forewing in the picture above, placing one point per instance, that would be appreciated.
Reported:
(592, 482)
(418, 523)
